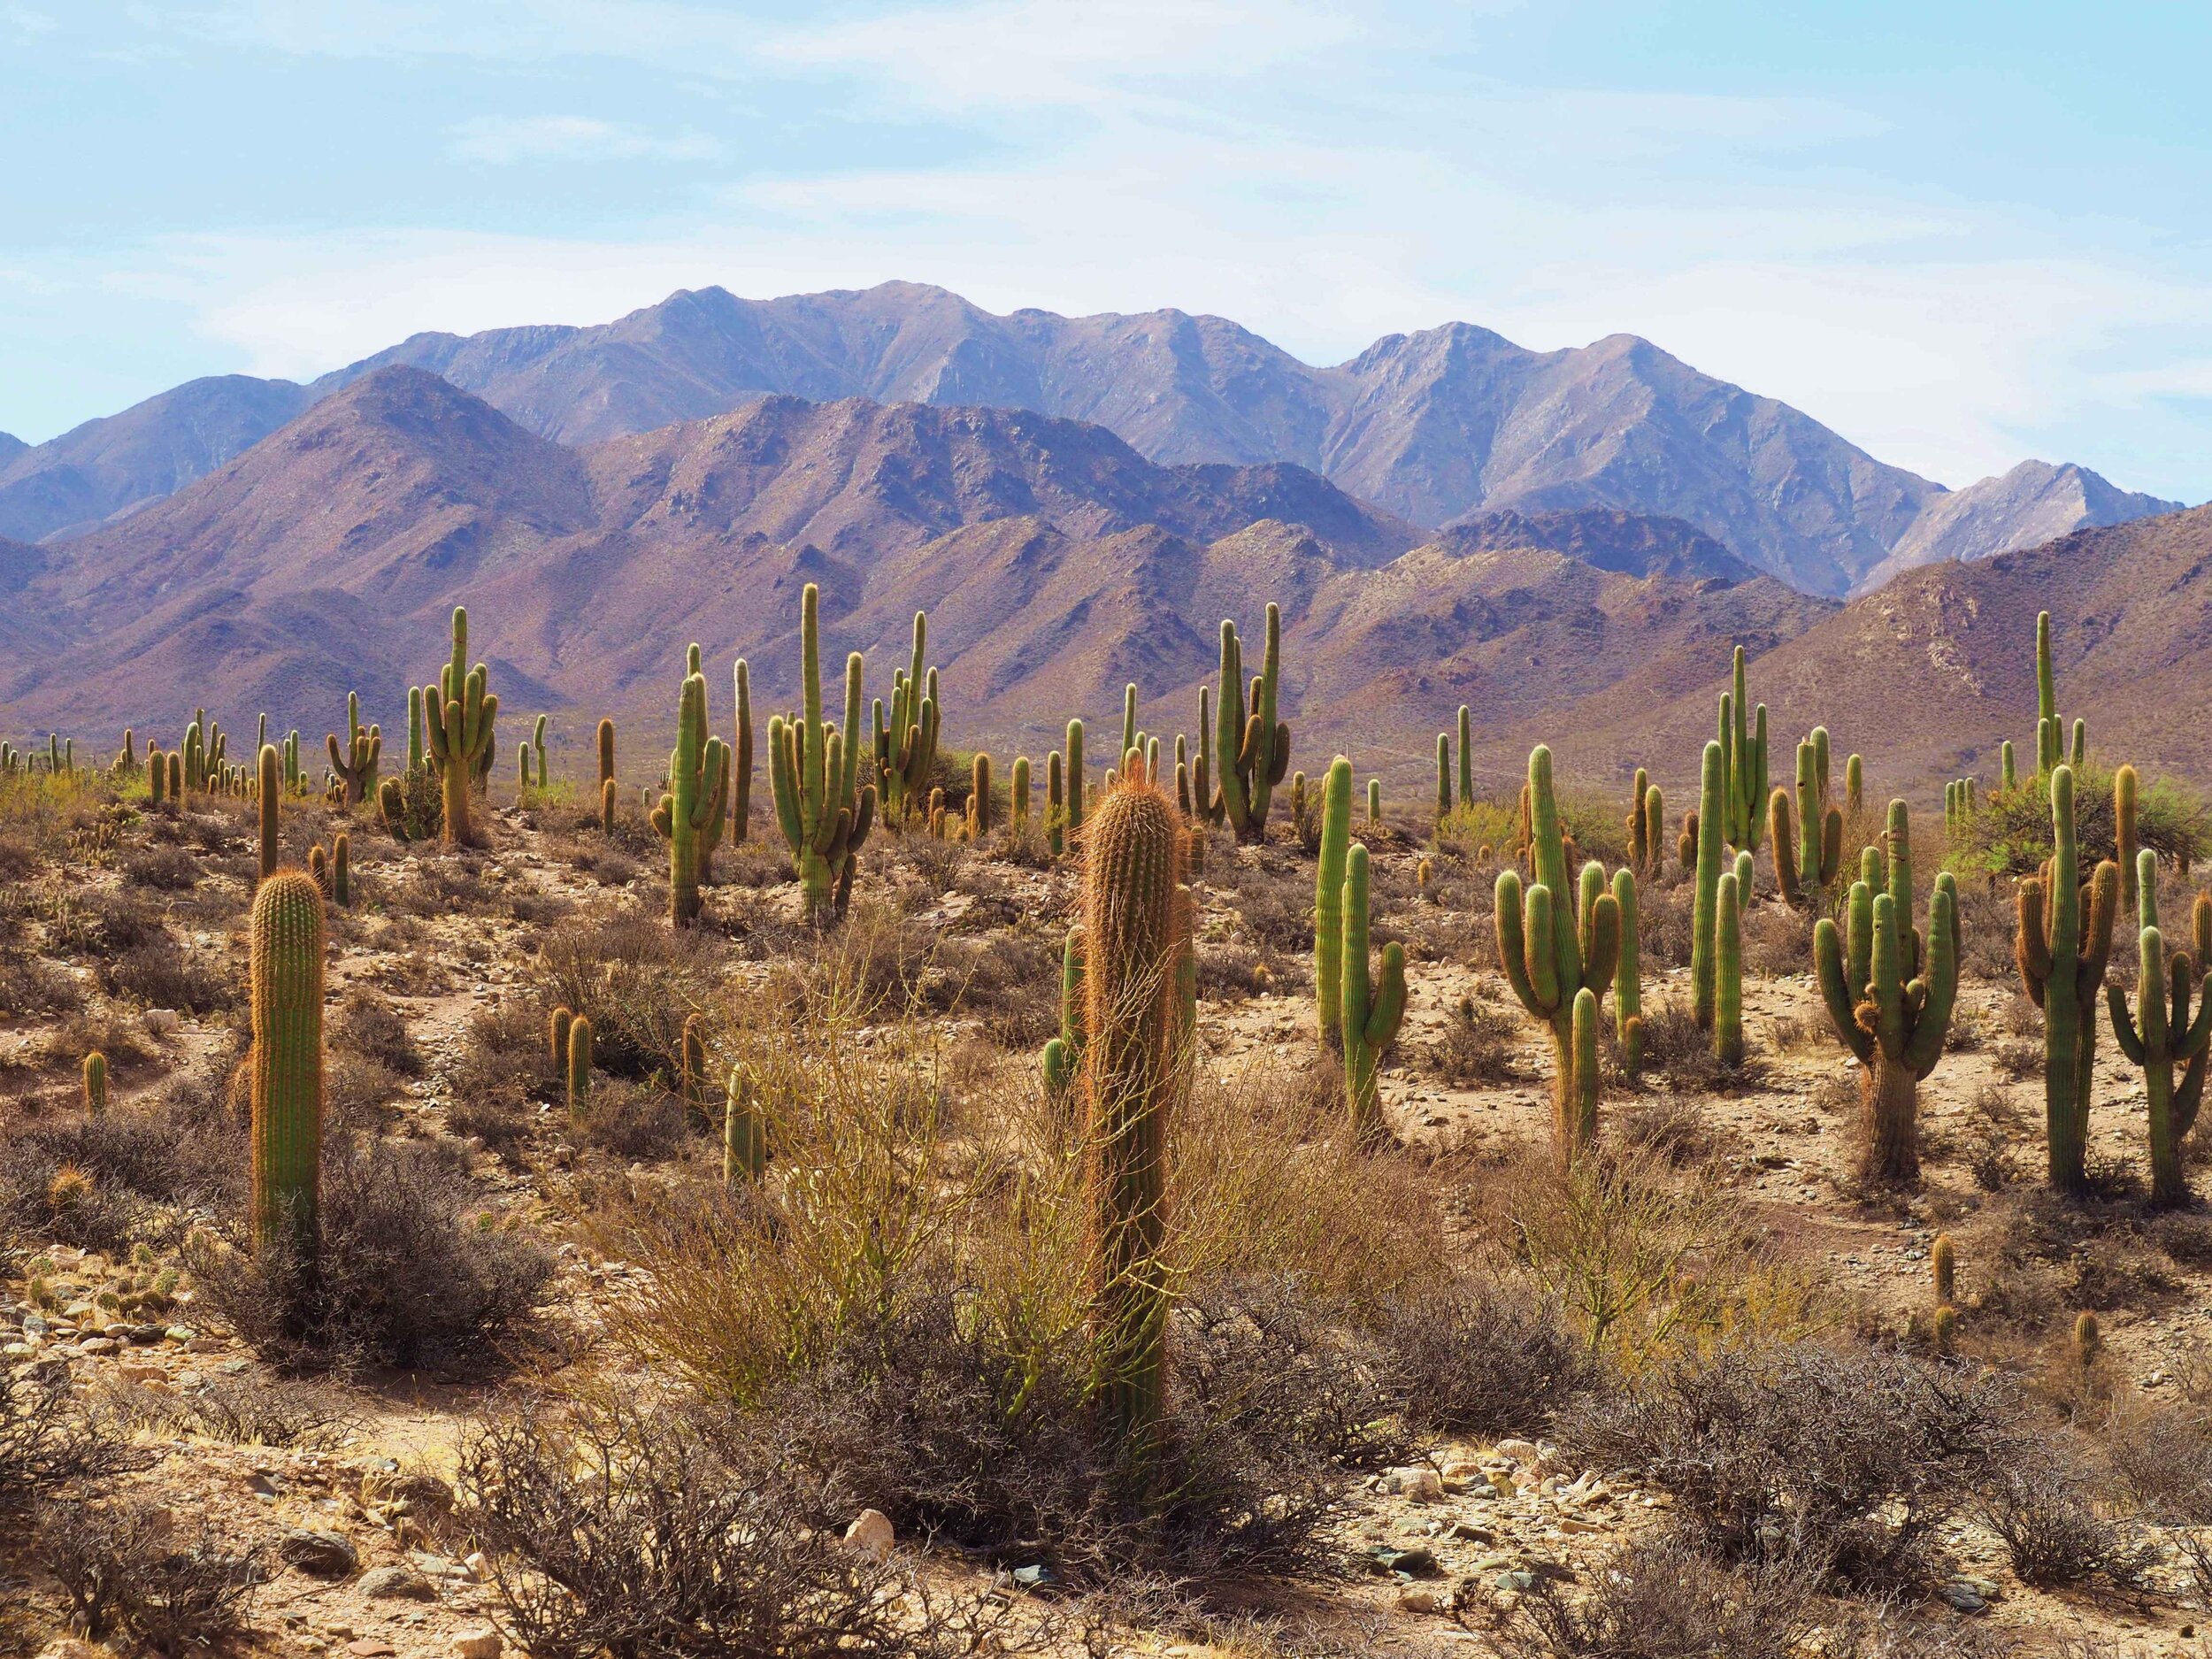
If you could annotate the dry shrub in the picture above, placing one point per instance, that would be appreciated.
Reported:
(636, 978)
(633, 1121)
(261, 1410)
(161, 975)
(1778, 940)
(142, 1170)
(2045, 1509)
(411, 1271)
(1477, 1047)
(165, 869)
(30, 986)
(1676, 1045)
(1850, 1462)
(367, 1024)
(1662, 1598)
(1483, 1357)
(49, 1440)
(1665, 923)
(122, 1565)
(95, 921)
(1673, 1129)
(1649, 1261)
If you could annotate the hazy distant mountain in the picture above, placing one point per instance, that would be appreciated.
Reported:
(1056, 564)
(95, 471)
(1633, 545)
(2033, 503)
(11, 446)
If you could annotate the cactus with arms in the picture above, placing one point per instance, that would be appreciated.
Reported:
(2161, 1033)
(1808, 845)
(459, 714)
(354, 764)
(1559, 944)
(824, 811)
(1743, 738)
(1251, 745)
(906, 734)
(1372, 1004)
(1328, 899)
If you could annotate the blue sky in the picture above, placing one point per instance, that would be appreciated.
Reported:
(1960, 234)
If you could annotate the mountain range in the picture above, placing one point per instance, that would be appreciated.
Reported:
(1446, 426)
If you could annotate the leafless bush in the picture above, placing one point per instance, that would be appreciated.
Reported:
(244, 1411)
(1475, 1049)
(637, 980)
(1801, 1452)
(1664, 1599)
(121, 1564)
(365, 1023)
(1778, 940)
(48, 1439)
(165, 869)
(1673, 1129)
(158, 974)
(1675, 1044)
(30, 985)
(105, 1182)
(2045, 1512)
(1480, 1357)
(633, 1121)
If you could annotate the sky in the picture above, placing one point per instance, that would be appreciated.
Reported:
(1961, 234)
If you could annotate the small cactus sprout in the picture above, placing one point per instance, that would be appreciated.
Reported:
(2062, 943)
(1943, 1264)
(266, 810)
(556, 1025)
(286, 1060)
(2160, 1033)
(1373, 1004)
(2088, 1341)
(578, 1065)
(96, 1083)
(744, 1133)
(1558, 942)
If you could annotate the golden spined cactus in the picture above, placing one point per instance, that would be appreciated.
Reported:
(606, 752)
(577, 1066)
(556, 1025)
(744, 1132)
(459, 714)
(96, 1084)
(267, 795)
(286, 1062)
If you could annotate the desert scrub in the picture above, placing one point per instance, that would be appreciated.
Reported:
(2009, 832)
(636, 979)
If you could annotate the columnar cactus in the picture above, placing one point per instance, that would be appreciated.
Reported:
(417, 743)
(1017, 793)
(176, 777)
(1466, 756)
(537, 750)
(341, 869)
(355, 763)
(1372, 1003)
(2160, 1032)
(556, 1025)
(906, 735)
(2123, 835)
(1443, 777)
(459, 714)
(286, 1061)
(156, 776)
(2008, 768)
(1131, 738)
(128, 761)
(1744, 756)
(741, 759)
(744, 1133)
(1628, 986)
(2063, 944)
(1642, 846)
(577, 1066)
(1064, 1054)
(1705, 908)
(979, 796)
(1889, 992)
(1328, 899)
(1728, 969)
(1136, 933)
(2049, 730)
(823, 809)
(266, 805)
(1808, 846)
(606, 751)
(1560, 943)
(1253, 746)
(1374, 803)
(1943, 1268)
(96, 1084)
(690, 815)
(1074, 786)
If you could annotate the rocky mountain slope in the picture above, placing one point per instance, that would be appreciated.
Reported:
(1434, 425)
(2034, 503)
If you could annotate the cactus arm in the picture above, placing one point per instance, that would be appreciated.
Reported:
(1931, 1023)
(1543, 964)
(1705, 910)
(1389, 999)
(1835, 992)
(1508, 913)
(2123, 1029)
(1627, 978)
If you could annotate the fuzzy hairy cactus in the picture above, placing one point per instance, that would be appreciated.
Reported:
(824, 811)
(690, 815)
(286, 1060)
(458, 715)
(1252, 743)
(1136, 930)
(1889, 992)
(2062, 943)
(2161, 1033)
(1558, 942)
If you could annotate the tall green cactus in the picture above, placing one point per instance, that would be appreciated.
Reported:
(1743, 739)
(1728, 969)
(2160, 1032)
(1705, 906)
(1466, 756)
(1074, 786)
(1889, 992)
(1136, 933)
(286, 1061)
(458, 715)
(1808, 845)
(1018, 791)
(1055, 806)
(1372, 1003)
(1328, 899)
(1064, 1054)
(1628, 985)
(690, 814)
(577, 1072)
(2062, 943)
(267, 792)
(1557, 943)
(824, 812)
(354, 764)
(418, 750)
(906, 734)
(2123, 835)
(1252, 743)
(96, 1084)
(1443, 777)
(741, 758)
(979, 796)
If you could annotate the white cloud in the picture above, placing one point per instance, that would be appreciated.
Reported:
(505, 140)
(26, 22)
(693, 39)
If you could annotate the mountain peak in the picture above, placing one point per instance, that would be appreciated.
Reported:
(2034, 503)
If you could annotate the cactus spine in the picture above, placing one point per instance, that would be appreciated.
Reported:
(354, 764)
(1328, 899)
(1136, 932)
(1558, 943)
(824, 813)
(96, 1083)
(2161, 1033)
(458, 713)
(689, 815)
(1253, 746)
(286, 1060)
(2062, 943)
(1889, 992)
(1372, 1004)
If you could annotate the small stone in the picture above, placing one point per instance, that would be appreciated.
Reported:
(324, 1555)
(369, 1647)
(1418, 1484)
(477, 1565)
(97, 1345)
(396, 1584)
(1420, 1597)
(163, 1022)
(1519, 1451)
(869, 1533)
(476, 1644)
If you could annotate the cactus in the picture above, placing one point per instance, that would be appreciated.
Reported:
(128, 761)
(286, 1060)
(2161, 1033)
(1443, 777)
(2008, 769)
(1064, 1054)
(689, 816)
(156, 776)
(459, 714)
(1808, 846)
(2123, 837)
(96, 1083)
(1685, 844)
(1253, 744)
(1466, 756)
(1705, 909)
(354, 764)
(980, 797)
(1055, 806)
(824, 811)
(418, 750)
(176, 777)
(2088, 1346)
(606, 751)
(1017, 793)
(1743, 763)
(607, 800)
(744, 1135)
(1728, 970)
(318, 867)
(522, 773)
(1943, 1327)
(556, 1025)
(691, 1067)
(577, 1066)
(2048, 732)
(1557, 943)
(1372, 1004)
(1628, 988)
(1328, 899)
(1642, 845)
(1074, 786)
(1889, 992)
(1943, 1266)
(740, 762)
(341, 869)
(1136, 932)
(2061, 945)
(906, 740)
(266, 810)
